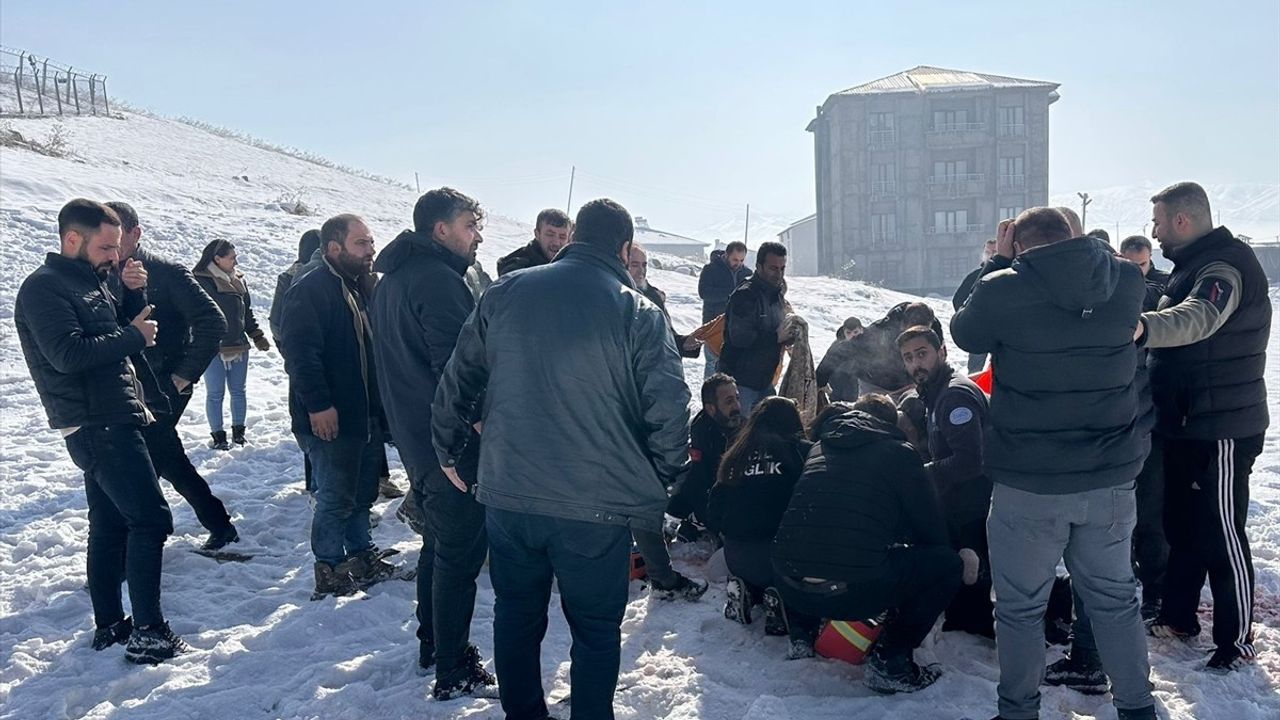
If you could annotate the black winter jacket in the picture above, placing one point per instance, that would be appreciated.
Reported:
(751, 351)
(189, 325)
(708, 440)
(236, 307)
(1059, 324)
(418, 309)
(956, 417)
(572, 357)
(751, 508)
(77, 347)
(863, 490)
(875, 352)
(966, 287)
(528, 256)
(328, 352)
(839, 369)
(716, 283)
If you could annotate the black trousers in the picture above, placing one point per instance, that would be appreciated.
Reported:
(1206, 504)
(972, 610)
(917, 584)
(1150, 549)
(128, 521)
(170, 460)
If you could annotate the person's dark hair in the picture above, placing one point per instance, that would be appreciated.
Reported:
(1073, 219)
(1187, 198)
(918, 313)
(774, 423)
(1040, 226)
(442, 205)
(335, 229)
(128, 216)
(85, 217)
(307, 245)
(836, 408)
(1134, 243)
(215, 248)
(712, 385)
(553, 217)
(851, 323)
(915, 332)
(769, 248)
(605, 224)
(878, 406)
(735, 247)
(1101, 234)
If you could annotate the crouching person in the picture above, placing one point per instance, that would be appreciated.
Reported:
(863, 534)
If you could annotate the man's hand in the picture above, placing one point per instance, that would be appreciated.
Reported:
(691, 343)
(1137, 332)
(134, 276)
(262, 343)
(146, 326)
(1004, 239)
(324, 424)
(452, 474)
(478, 426)
(180, 383)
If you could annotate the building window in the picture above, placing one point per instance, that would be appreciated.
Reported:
(950, 221)
(954, 266)
(884, 271)
(883, 229)
(880, 129)
(1012, 173)
(950, 120)
(884, 179)
(1011, 122)
(950, 170)
(1013, 211)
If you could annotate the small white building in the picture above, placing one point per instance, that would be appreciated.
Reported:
(801, 240)
(669, 243)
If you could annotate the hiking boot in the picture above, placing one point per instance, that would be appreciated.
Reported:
(332, 581)
(117, 634)
(470, 679)
(154, 644)
(408, 513)
(237, 434)
(368, 567)
(1079, 671)
(1226, 660)
(897, 674)
(683, 588)
(1150, 609)
(219, 441)
(775, 615)
(1163, 629)
(689, 532)
(388, 489)
(220, 538)
(800, 648)
(737, 604)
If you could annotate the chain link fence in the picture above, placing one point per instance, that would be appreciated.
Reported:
(39, 86)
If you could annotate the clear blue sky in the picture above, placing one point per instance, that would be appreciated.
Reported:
(683, 110)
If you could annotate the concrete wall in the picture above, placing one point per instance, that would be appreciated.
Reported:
(801, 241)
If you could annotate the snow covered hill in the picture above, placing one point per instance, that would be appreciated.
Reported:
(1251, 209)
(263, 649)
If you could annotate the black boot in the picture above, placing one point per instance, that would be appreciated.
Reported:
(219, 441)
(153, 644)
(888, 674)
(237, 434)
(220, 538)
(117, 634)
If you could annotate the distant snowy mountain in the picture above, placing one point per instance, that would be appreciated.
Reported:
(1251, 209)
(764, 226)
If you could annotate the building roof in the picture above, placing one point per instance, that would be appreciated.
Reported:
(650, 237)
(926, 79)
(801, 221)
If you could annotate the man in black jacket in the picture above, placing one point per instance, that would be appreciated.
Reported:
(307, 246)
(551, 232)
(335, 406)
(863, 534)
(1208, 342)
(86, 360)
(418, 310)
(709, 435)
(754, 333)
(955, 415)
(1064, 446)
(976, 360)
(568, 356)
(717, 281)
(190, 330)
(638, 268)
(1137, 250)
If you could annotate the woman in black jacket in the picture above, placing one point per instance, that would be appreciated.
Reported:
(751, 493)
(216, 272)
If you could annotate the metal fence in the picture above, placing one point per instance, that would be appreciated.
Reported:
(39, 86)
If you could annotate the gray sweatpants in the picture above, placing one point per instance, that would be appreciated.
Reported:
(1028, 534)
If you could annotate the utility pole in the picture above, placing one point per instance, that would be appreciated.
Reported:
(1084, 210)
(416, 184)
(568, 207)
(746, 229)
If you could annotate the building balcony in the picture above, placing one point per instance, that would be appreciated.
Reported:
(1011, 130)
(1013, 182)
(881, 137)
(954, 186)
(881, 239)
(954, 230)
(954, 134)
(884, 188)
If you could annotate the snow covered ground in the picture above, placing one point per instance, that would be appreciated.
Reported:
(263, 649)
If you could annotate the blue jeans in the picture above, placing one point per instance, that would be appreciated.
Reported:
(750, 397)
(590, 563)
(128, 521)
(345, 472)
(217, 378)
(712, 360)
(1091, 530)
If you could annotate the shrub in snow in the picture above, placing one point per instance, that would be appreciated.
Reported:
(294, 203)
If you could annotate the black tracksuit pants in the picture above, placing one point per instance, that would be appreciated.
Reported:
(1206, 504)
(171, 463)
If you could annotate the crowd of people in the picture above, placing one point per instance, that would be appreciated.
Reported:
(1112, 423)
